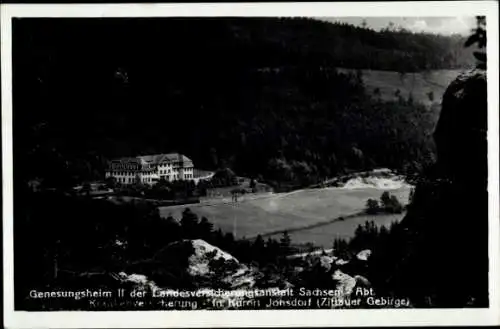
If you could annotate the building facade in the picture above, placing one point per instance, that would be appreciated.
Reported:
(149, 169)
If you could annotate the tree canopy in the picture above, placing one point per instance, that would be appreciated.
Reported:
(261, 96)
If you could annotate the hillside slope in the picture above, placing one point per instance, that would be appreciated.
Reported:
(260, 95)
(426, 87)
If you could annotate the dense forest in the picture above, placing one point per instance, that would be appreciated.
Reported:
(261, 96)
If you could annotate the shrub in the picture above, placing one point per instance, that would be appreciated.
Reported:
(388, 203)
(372, 206)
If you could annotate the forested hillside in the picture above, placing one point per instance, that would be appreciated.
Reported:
(262, 96)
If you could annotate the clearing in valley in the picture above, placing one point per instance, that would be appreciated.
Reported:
(268, 213)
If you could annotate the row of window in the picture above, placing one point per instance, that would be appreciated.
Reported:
(176, 176)
(170, 177)
(175, 164)
(185, 168)
(131, 180)
(124, 180)
(164, 172)
(134, 173)
(129, 173)
(122, 167)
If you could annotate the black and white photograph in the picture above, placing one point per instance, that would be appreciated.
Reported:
(231, 163)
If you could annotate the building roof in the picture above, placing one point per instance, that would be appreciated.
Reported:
(127, 160)
(156, 159)
(169, 157)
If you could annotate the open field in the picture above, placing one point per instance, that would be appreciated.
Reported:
(271, 212)
(420, 84)
(323, 236)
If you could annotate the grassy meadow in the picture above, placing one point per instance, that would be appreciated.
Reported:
(283, 211)
(419, 84)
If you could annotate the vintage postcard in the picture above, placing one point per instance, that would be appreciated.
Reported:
(242, 165)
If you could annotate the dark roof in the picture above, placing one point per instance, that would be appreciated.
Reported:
(127, 160)
(159, 158)
(156, 159)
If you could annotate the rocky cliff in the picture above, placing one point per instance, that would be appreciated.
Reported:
(443, 260)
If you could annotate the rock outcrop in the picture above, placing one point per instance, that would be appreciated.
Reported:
(346, 283)
(440, 257)
(364, 254)
(203, 254)
(205, 265)
(460, 134)
(208, 268)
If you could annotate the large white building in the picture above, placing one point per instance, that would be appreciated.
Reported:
(149, 169)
